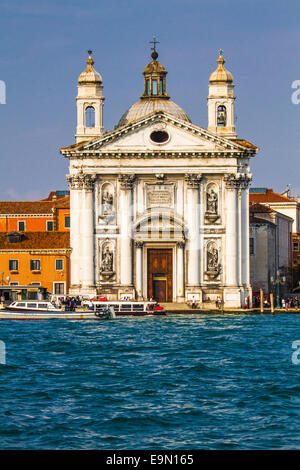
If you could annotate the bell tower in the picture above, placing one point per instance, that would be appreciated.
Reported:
(90, 102)
(220, 101)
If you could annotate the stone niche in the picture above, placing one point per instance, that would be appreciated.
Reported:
(213, 265)
(107, 261)
(106, 203)
(160, 195)
(212, 204)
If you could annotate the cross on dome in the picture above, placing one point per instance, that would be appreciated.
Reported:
(154, 54)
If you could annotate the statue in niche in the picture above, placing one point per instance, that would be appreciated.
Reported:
(212, 202)
(212, 259)
(107, 202)
(107, 260)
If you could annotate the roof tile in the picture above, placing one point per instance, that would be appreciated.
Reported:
(37, 241)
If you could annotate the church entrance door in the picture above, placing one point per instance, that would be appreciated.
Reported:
(160, 290)
(160, 274)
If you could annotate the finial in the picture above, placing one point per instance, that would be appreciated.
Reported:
(90, 62)
(221, 61)
(154, 54)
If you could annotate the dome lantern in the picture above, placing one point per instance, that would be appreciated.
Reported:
(154, 77)
(154, 97)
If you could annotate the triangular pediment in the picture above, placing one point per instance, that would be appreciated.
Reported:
(137, 136)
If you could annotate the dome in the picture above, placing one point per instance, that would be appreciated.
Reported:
(154, 67)
(146, 106)
(90, 75)
(221, 75)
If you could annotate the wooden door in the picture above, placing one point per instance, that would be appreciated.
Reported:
(160, 290)
(160, 274)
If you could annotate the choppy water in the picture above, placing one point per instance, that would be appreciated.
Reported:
(177, 382)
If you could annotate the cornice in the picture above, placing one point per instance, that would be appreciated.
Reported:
(117, 155)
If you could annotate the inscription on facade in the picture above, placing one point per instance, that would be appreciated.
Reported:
(160, 195)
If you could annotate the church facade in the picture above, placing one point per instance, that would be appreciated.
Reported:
(159, 205)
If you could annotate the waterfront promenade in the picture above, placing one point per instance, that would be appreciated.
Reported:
(210, 308)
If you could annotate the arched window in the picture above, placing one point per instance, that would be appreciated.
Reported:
(90, 116)
(221, 116)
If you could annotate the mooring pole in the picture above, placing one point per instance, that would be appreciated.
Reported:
(272, 302)
(261, 301)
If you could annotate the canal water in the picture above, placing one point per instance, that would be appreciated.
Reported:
(175, 382)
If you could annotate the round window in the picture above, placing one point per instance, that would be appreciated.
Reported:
(159, 137)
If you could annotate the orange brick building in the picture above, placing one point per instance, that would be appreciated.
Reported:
(35, 243)
(47, 215)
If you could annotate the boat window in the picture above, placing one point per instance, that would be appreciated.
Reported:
(42, 305)
(138, 307)
(116, 307)
(123, 307)
(31, 305)
(21, 304)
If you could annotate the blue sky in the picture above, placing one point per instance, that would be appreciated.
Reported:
(43, 50)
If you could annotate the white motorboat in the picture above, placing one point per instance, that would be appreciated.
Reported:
(39, 310)
(125, 307)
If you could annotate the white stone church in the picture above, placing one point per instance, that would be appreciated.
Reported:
(159, 205)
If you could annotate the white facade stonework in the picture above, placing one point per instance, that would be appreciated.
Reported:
(160, 184)
(271, 235)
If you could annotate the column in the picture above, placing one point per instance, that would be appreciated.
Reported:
(180, 272)
(139, 269)
(245, 231)
(231, 278)
(126, 183)
(87, 253)
(239, 234)
(193, 220)
(74, 233)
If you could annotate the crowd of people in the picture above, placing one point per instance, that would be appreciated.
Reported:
(69, 304)
(289, 302)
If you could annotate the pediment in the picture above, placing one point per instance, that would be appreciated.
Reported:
(137, 137)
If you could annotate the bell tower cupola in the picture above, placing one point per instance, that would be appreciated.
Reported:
(90, 102)
(220, 101)
(155, 77)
